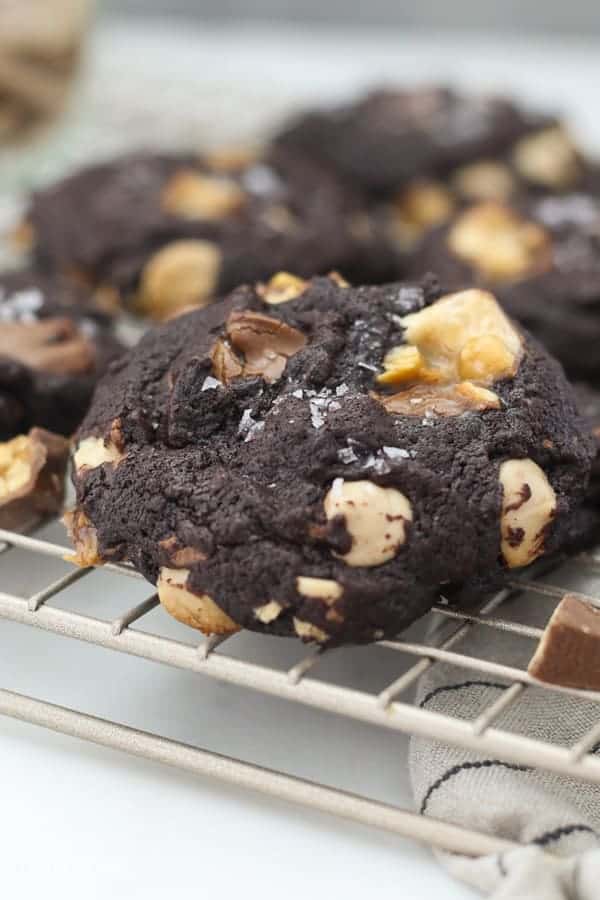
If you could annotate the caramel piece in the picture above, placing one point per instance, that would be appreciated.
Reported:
(266, 345)
(568, 653)
(32, 471)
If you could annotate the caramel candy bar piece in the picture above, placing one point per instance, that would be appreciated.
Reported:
(32, 477)
(569, 651)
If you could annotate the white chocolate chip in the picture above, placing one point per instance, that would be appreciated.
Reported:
(484, 180)
(93, 452)
(375, 518)
(193, 195)
(324, 589)
(420, 206)
(198, 610)
(528, 506)
(268, 612)
(548, 158)
(309, 631)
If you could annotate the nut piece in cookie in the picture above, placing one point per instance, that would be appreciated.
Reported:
(84, 538)
(444, 332)
(183, 273)
(569, 651)
(265, 344)
(528, 508)
(199, 611)
(441, 400)
(32, 473)
(93, 452)
(282, 287)
(454, 349)
(499, 243)
(374, 517)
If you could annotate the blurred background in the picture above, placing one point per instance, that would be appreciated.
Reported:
(575, 17)
(81, 79)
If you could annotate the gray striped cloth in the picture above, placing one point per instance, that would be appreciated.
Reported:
(549, 814)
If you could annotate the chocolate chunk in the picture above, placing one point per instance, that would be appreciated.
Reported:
(569, 651)
(32, 478)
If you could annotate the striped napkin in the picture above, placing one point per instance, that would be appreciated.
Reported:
(556, 818)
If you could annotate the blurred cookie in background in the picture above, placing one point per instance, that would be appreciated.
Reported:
(423, 153)
(40, 43)
(542, 260)
(168, 231)
(480, 145)
(54, 345)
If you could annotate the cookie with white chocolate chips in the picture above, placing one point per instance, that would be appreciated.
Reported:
(473, 145)
(170, 232)
(542, 261)
(312, 459)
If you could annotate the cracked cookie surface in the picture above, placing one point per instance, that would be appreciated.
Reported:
(324, 465)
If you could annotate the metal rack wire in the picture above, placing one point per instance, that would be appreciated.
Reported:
(390, 708)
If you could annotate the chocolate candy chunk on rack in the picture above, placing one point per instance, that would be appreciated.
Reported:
(569, 652)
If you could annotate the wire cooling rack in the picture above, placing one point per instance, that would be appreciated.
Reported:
(390, 708)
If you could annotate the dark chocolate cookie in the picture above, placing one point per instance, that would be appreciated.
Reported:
(54, 345)
(314, 459)
(588, 403)
(168, 232)
(541, 259)
(476, 144)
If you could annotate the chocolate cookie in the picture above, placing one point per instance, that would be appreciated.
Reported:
(541, 259)
(588, 403)
(54, 345)
(169, 232)
(312, 459)
(474, 143)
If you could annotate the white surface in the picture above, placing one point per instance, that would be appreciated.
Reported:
(81, 822)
